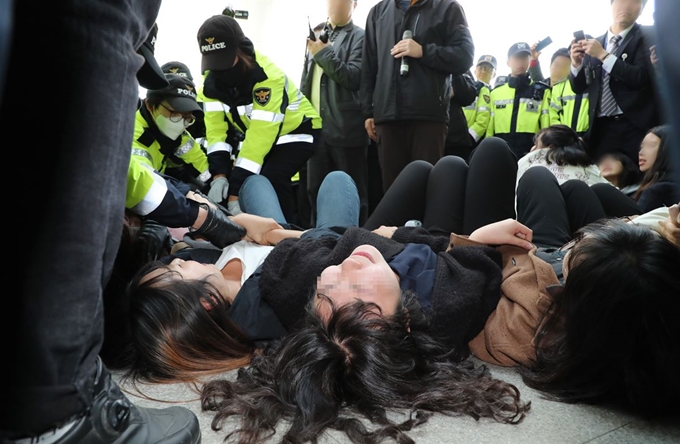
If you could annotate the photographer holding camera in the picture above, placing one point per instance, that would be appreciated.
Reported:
(616, 71)
(330, 80)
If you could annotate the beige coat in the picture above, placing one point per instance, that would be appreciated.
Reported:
(508, 336)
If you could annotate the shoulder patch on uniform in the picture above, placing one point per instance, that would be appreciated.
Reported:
(487, 98)
(541, 85)
(262, 95)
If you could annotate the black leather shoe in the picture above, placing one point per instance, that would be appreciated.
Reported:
(114, 419)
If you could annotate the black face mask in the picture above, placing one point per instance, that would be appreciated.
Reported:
(232, 77)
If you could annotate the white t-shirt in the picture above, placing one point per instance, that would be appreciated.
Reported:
(250, 254)
(652, 218)
(590, 174)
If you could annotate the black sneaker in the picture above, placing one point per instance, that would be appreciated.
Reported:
(114, 419)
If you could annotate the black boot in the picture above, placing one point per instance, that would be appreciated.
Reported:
(114, 419)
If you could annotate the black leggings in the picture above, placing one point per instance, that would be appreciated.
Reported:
(452, 197)
(614, 202)
(555, 212)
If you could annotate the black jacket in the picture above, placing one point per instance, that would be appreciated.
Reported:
(343, 123)
(660, 194)
(631, 80)
(459, 142)
(466, 288)
(440, 27)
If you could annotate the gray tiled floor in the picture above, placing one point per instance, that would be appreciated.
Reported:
(547, 422)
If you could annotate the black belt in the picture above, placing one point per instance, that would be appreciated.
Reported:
(616, 117)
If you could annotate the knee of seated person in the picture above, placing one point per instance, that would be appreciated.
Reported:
(602, 187)
(537, 175)
(254, 179)
(422, 166)
(338, 176)
(451, 161)
(495, 145)
(495, 142)
(576, 184)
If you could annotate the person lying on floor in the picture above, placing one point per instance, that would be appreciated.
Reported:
(333, 327)
(243, 262)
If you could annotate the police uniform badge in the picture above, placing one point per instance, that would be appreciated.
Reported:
(262, 95)
(532, 106)
(487, 98)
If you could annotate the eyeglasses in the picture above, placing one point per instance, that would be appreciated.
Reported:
(176, 117)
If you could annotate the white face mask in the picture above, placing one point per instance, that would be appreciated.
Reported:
(171, 129)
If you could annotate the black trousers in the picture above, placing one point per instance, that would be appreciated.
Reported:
(375, 188)
(614, 202)
(281, 164)
(53, 329)
(351, 160)
(553, 212)
(615, 134)
(452, 196)
(404, 141)
(303, 206)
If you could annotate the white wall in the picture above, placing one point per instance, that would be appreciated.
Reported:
(278, 28)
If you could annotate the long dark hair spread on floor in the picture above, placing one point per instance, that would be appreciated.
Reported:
(612, 334)
(356, 362)
(174, 338)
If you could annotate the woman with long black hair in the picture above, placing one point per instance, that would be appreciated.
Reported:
(379, 322)
(656, 188)
(620, 171)
(181, 308)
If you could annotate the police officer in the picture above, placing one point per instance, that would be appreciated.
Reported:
(567, 107)
(245, 92)
(160, 140)
(478, 113)
(197, 130)
(520, 107)
(500, 81)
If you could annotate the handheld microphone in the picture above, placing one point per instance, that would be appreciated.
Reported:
(403, 70)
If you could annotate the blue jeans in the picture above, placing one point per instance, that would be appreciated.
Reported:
(73, 234)
(337, 203)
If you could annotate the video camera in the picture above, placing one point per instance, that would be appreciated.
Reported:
(325, 33)
(234, 13)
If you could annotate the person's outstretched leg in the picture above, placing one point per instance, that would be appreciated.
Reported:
(445, 200)
(583, 206)
(490, 189)
(614, 202)
(257, 196)
(73, 229)
(541, 207)
(405, 199)
(337, 203)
